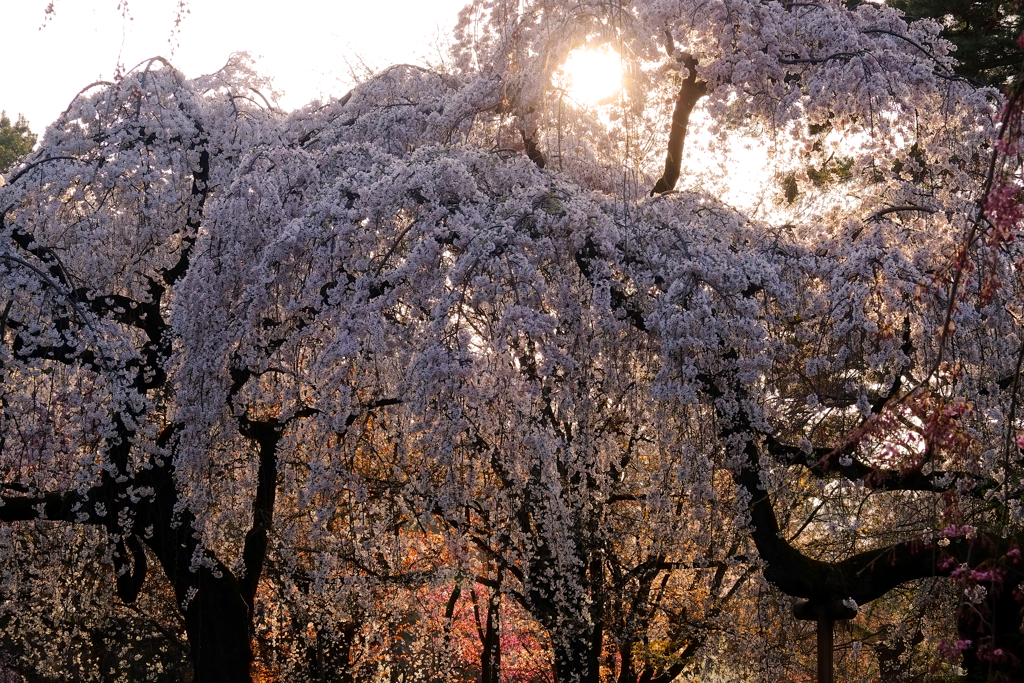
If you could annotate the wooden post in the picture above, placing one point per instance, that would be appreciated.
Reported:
(826, 632)
(826, 614)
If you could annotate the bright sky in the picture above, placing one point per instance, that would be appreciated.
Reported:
(305, 45)
(309, 47)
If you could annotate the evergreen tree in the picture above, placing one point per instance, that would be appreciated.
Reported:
(984, 31)
(15, 140)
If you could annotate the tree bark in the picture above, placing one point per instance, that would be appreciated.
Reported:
(994, 629)
(490, 657)
(574, 657)
(690, 91)
(533, 150)
(218, 625)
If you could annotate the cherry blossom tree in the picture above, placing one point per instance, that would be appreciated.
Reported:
(399, 344)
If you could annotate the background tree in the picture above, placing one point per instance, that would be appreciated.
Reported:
(985, 33)
(16, 140)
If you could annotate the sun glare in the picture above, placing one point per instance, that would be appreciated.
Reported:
(592, 76)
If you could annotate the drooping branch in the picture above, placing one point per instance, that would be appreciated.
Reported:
(838, 56)
(29, 166)
(878, 215)
(842, 461)
(862, 577)
(690, 91)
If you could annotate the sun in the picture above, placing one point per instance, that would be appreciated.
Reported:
(591, 76)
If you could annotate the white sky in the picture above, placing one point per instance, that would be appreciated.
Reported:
(305, 45)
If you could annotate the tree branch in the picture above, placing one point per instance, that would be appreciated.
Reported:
(690, 91)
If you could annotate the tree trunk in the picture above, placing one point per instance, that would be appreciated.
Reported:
(218, 625)
(690, 91)
(575, 659)
(329, 659)
(490, 657)
(627, 667)
(218, 620)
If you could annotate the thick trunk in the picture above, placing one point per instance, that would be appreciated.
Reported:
(627, 666)
(894, 660)
(575, 635)
(341, 659)
(575, 659)
(329, 656)
(533, 150)
(218, 625)
(218, 619)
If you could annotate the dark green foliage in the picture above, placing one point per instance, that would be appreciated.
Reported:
(819, 128)
(15, 140)
(832, 171)
(916, 164)
(789, 188)
(984, 31)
